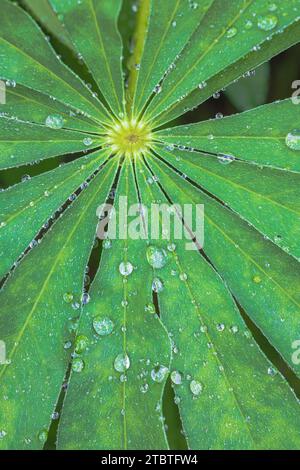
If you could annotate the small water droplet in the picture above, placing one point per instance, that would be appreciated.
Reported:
(88, 141)
(159, 373)
(103, 326)
(272, 372)
(125, 268)
(293, 139)
(234, 329)
(68, 297)
(157, 285)
(176, 377)
(268, 22)
(220, 327)
(196, 388)
(77, 365)
(257, 279)
(122, 362)
(231, 32)
(81, 343)
(144, 388)
(43, 435)
(156, 257)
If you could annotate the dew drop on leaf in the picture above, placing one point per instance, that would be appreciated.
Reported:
(87, 141)
(231, 32)
(293, 139)
(176, 377)
(43, 435)
(77, 365)
(268, 22)
(68, 297)
(122, 362)
(144, 388)
(272, 372)
(196, 388)
(159, 373)
(54, 121)
(103, 326)
(125, 268)
(157, 285)
(156, 257)
(81, 343)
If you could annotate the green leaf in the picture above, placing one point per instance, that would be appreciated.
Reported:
(92, 26)
(288, 37)
(263, 279)
(28, 206)
(173, 22)
(20, 142)
(242, 26)
(28, 105)
(250, 91)
(258, 136)
(38, 302)
(251, 192)
(120, 406)
(228, 390)
(43, 11)
(25, 49)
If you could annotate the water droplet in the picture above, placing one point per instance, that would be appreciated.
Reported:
(81, 343)
(67, 344)
(103, 326)
(176, 377)
(68, 297)
(196, 388)
(203, 328)
(150, 308)
(107, 243)
(248, 24)
(156, 257)
(43, 435)
(234, 329)
(171, 247)
(183, 276)
(202, 85)
(159, 373)
(293, 139)
(77, 365)
(226, 159)
(272, 372)
(231, 32)
(220, 327)
(88, 141)
(2, 434)
(73, 325)
(85, 298)
(54, 121)
(257, 279)
(268, 22)
(157, 89)
(122, 362)
(157, 285)
(125, 268)
(144, 388)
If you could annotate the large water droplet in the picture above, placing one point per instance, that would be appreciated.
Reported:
(122, 362)
(103, 326)
(54, 121)
(125, 268)
(156, 257)
(293, 139)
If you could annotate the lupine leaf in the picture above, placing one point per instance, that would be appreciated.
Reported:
(92, 28)
(28, 206)
(258, 136)
(229, 39)
(40, 314)
(126, 404)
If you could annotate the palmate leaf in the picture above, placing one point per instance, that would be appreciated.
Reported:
(155, 310)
